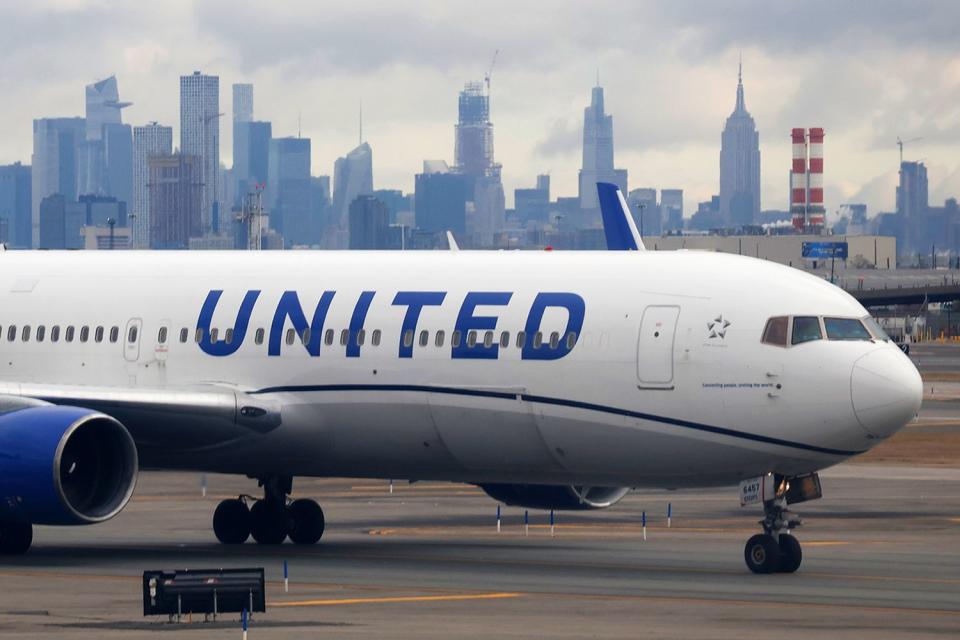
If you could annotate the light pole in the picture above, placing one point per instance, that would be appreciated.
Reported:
(111, 223)
(643, 205)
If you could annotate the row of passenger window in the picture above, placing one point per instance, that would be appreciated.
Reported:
(69, 333)
(100, 333)
(780, 331)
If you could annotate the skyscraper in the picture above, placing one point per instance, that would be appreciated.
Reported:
(440, 200)
(352, 177)
(913, 203)
(251, 152)
(369, 224)
(288, 191)
(15, 206)
(740, 166)
(473, 154)
(200, 137)
(55, 162)
(106, 156)
(175, 200)
(149, 140)
(598, 152)
(242, 103)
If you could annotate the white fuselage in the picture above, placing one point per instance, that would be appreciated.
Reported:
(667, 382)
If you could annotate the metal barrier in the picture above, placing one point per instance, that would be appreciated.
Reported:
(206, 591)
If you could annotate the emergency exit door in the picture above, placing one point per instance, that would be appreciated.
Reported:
(658, 329)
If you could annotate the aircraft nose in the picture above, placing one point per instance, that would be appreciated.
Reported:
(886, 391)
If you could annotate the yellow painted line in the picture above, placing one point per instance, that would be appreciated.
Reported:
(394, 599)
(824, 543)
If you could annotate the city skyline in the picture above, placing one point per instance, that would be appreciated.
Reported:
(670, 97)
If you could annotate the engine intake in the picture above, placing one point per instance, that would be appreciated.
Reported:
(64, 465)
(556, 497)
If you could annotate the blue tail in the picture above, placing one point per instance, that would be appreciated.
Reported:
(618, 224)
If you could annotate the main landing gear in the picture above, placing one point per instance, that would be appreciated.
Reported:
(776, 550)
(270, 520)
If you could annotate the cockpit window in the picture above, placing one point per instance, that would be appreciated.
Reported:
(776, 331)
(805, 329)
(846, 329)
(875, 329)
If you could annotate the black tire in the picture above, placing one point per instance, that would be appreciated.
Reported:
(268, 522)
(762, 554)
(15, 538)
(790, 553)
(231, 522)
(306, 522)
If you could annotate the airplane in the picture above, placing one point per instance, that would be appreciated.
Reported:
(550, 379)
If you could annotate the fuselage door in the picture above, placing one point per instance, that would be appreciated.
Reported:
(131, 340)
(655, 347)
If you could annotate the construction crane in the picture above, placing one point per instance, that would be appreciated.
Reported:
(486, 77)
(900, 144)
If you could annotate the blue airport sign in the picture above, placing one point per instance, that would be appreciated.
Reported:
(821, 250)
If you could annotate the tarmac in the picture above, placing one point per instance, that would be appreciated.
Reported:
(881, 560)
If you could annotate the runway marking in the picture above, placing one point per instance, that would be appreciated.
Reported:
(825, 543)
(394, 599)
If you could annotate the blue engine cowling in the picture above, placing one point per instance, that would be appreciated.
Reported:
(63, 465)
(558, 497)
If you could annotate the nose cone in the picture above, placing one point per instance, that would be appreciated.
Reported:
(886, 391)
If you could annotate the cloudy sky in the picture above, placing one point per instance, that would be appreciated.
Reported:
(866, 71)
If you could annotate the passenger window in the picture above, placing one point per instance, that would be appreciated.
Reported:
(521, 339)
(115, 335)
(505, 339)
(571, 340)
(375, 337)
(291, 336)
(227, 335)
(805, 329)
(214, 334)
(408, 338)
(162, 335)
(344, 337)
(84, 333)
(488, 339)
(775, 332)
(184, 335)
(471, 338)
(537, 340)
(554, 340)
(55, 334)
(11, 333)
(131, 335)
(361, 336)
(199, 335)
(328, 339)
(98, 335)
(258, 336)
(41, 332)
(68, 335)
(25, 336)
(438, 341)
(846, 329)
(305, 336)
(455, 339)
(424, 338)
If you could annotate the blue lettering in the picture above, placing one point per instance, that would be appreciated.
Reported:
(289, 307)
(467, 322)
(356, 323)
(575, 310)
(222, 347)
(415, 301)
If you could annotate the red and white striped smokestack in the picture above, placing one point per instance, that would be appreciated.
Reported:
(816, 208)
(798, 179)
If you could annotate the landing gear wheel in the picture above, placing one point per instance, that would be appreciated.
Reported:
(15, 538)
(268, 522)
(306, 521)
(762, 554)
(790, 553)
(231, 522)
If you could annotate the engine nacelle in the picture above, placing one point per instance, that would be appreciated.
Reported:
(63, 465)
(556, 497)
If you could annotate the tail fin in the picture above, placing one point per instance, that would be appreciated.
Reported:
(618, 226)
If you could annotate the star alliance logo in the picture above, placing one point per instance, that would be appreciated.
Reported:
(718, 327)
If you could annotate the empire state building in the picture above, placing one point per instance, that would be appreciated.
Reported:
(740, 166)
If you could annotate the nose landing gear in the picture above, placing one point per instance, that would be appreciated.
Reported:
(776, 550)
(271, 519)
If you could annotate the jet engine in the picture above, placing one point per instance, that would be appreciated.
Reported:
(63, 465)
(556, 497)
